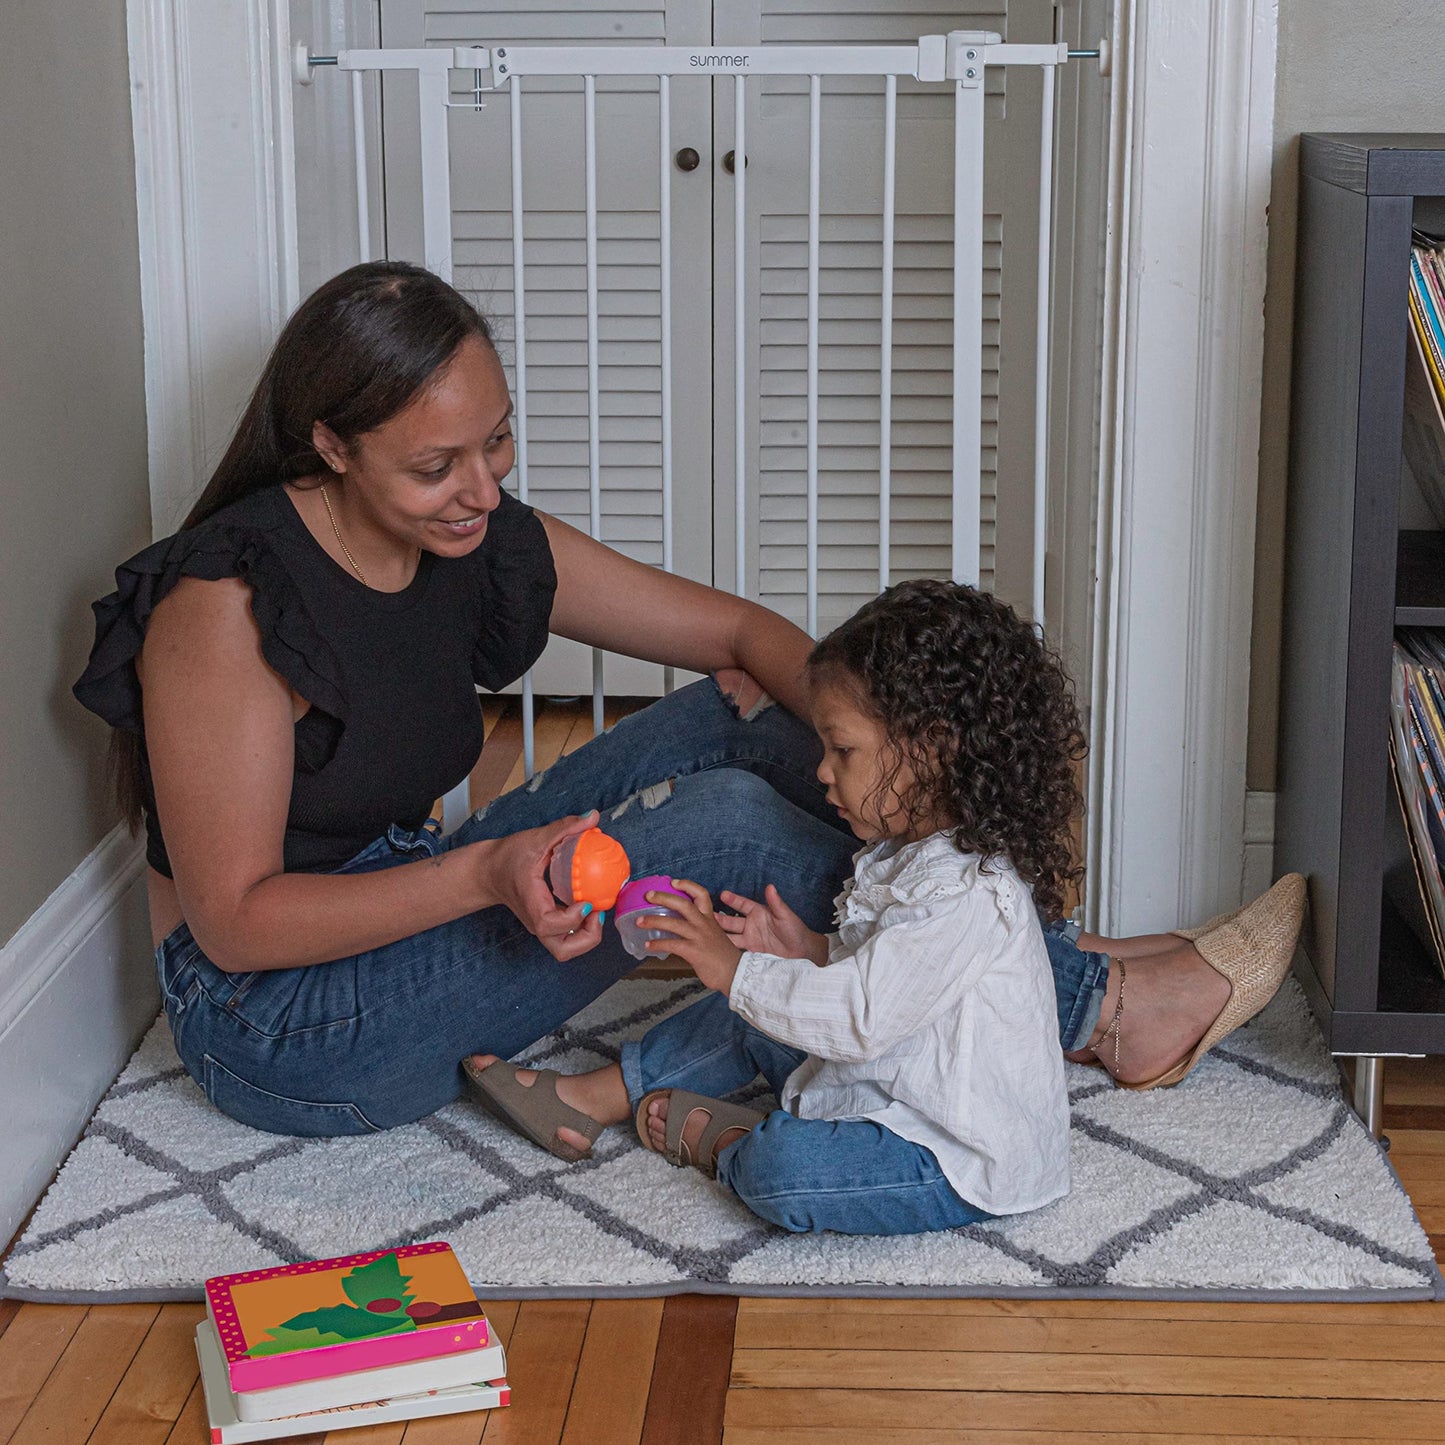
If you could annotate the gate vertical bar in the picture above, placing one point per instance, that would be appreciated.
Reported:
(740, 170)
(436, 176)
(664, 290)
(436, 205)
(358, 134)
(519, 416)
(885, 380)
(967, 315)
(815, 126)
(1041, 344)
(594, 422)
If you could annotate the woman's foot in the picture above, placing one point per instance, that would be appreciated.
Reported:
(691, 1129)
(1184, 1000)
(600, 1095)
(1171, 999)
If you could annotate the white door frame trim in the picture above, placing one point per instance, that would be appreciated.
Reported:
(216, 204)
(1191, 147)
(1191, 139)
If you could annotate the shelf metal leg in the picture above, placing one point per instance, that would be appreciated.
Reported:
(1370, 1091)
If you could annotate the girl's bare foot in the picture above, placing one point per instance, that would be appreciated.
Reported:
(601, 1095)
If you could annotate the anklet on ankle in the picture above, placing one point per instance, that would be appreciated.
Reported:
(1114, 1022)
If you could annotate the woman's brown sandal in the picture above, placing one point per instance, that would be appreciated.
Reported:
(535, 1111)
(681, 1106)
(1253, 949)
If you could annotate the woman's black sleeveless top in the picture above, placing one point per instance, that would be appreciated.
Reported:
(391, 676)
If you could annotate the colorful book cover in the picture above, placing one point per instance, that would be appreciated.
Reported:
(1421, 273)
(332, 1316)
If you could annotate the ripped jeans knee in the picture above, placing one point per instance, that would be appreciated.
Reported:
(650, 797)
(743, 694)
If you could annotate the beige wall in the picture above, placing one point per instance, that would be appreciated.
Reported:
(1346, 65)
(73, 490)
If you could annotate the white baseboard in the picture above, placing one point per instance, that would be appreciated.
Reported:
(1258, 845)
(77, 990)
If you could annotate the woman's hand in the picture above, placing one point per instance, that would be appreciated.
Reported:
(517, 869)
(696, 937)
(771, 927)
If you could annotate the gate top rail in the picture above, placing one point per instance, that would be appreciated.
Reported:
(955, 56)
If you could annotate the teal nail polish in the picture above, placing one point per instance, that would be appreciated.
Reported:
(602, 917)
(586, 909)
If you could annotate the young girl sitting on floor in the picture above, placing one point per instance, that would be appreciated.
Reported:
(915, 1051)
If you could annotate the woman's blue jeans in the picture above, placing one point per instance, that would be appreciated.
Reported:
(687, 786)
(848, 1175)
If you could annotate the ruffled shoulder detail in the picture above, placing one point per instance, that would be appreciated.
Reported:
(921, 875)
(233, 543)
(517, 580)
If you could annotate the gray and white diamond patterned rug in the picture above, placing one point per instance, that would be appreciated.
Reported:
(1251, 1180)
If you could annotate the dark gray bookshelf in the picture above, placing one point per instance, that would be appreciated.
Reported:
(1351, 576)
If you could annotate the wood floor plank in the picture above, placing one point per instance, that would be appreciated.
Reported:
(553, 727)
(503, 748)
(546, 1343)
(192, 1426)
(1413, 1116)
(609, 1398)
(447, 1429)
(690, 1377)
(367, 1435)
(1417, 1141)
(767, 1435)
(1422, 1312)
(903, 1370)
(501, 1317)
(35, 1341)
(9, 1308)
(158, 1383)
(887, 1413)
(928, 1330)
(79, 1387)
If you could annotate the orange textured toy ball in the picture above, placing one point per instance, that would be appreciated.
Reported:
(590, 868)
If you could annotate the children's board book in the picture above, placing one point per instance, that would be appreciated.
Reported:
(330, 1317)
(228, 1429)
(362, 1386)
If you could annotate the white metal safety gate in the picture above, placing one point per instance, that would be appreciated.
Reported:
(959, 59)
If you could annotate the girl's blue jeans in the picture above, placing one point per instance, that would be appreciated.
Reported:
(687, 786)
(848, 1175)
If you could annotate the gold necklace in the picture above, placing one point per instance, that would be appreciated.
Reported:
(341, 541)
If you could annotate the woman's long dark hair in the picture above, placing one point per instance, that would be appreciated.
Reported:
(353, 354)
(982, 712)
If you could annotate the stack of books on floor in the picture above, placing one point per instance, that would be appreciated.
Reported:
(335, 1343)
(1417, 758)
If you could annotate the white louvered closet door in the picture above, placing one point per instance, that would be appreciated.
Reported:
(775, 286)
(628, 271)
(850, 293)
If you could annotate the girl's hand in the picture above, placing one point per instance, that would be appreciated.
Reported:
(518, 879)
(697, 939)
(771, 927)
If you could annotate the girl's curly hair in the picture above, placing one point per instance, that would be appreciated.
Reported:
(981, 710)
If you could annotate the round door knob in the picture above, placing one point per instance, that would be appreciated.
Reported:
(687, 159)
(729, 162)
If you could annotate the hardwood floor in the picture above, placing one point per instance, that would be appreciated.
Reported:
(695, 1369)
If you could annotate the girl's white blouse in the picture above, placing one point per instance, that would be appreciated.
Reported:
(934, 1016)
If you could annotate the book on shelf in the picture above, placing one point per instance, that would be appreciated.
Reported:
(227, 1427)
(329, 1333)
(1417, 752)
(1423, 436)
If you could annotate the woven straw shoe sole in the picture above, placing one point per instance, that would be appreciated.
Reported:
(1253, 949)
